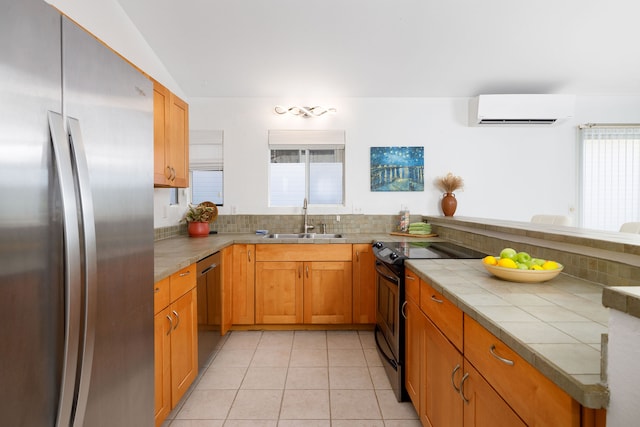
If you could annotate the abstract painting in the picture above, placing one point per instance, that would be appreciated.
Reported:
(397, 168)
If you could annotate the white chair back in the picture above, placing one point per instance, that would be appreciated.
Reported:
(630, 227)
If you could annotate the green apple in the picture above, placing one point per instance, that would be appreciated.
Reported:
(523, 257)
(537, 261)
(522, 266)
(508, 253)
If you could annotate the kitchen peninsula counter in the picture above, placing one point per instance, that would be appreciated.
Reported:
(556, 326)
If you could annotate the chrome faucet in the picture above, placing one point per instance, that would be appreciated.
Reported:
(307, 227)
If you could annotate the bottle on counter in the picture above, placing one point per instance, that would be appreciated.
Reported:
(404, 220)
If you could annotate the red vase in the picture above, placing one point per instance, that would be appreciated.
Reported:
(198, 229)
(449, 204)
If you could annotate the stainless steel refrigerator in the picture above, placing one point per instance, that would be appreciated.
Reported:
(76, 227)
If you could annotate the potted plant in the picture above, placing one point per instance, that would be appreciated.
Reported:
(198, 218)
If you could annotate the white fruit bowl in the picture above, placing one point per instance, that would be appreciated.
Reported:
(522, 276)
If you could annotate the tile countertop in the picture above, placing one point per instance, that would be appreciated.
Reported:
(556, 326)
(170, 255)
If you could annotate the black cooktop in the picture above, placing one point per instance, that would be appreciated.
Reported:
(397, 252)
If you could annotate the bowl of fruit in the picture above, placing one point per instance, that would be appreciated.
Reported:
(521, 267)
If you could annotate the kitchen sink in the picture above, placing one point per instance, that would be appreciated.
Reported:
(304, 236)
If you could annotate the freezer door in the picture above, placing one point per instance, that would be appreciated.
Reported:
(109, 111)
(31, 293)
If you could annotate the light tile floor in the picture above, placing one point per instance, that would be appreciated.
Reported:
(294, 379)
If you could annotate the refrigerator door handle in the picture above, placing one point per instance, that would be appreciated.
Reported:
(72, 268)
(90, 264)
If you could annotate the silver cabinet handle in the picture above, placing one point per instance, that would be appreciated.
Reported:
(186, 273)
(175, 313)
(72, 267)
(307, 271)
(453, 375)
(464, 378)
(167, 173)
(90, 267)
(170, 324)
(404, 314)
(249, 255)
(492, 350)
(409, 278)
(439, 301)
(357, 256)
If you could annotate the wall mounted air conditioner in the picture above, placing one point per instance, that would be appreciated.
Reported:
(528, 110)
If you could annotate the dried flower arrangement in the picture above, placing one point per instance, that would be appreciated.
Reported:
(449, 183)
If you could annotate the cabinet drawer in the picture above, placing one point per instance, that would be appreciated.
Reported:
(412, 285)
(183, 281)
(298, 252)
(446, 316)
(161, 296)
(534, 398)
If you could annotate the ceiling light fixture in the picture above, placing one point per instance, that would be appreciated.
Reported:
(316, 111)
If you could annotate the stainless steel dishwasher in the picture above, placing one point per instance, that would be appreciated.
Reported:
(209, 307)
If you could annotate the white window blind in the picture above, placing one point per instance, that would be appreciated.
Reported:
(206, 164)
(610, 169)
(306, 164)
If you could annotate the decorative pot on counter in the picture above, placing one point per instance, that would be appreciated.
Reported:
(198, 229)
(449, 204)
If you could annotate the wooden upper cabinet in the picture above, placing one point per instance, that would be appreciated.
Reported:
(170, 139)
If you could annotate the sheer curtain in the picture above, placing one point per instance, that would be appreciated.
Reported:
(610, 168)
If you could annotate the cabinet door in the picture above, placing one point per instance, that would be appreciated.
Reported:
(327, 292)
(227, 290)
(442, 368)
(243, 285)
(179, 141)
(161, 107)
(279, 292)
(414, 350)
(364, 285)
(184, 345)
(162, 326)
(483, 406)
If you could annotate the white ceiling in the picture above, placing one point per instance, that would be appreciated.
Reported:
(394, 48)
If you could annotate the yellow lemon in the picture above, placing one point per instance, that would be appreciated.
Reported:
(507, 263)
(536, 267)
(550, 265)
(491, 260)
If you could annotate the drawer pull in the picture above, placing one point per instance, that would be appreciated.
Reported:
(439, 301)
(186, 273)
(453, 380)
(409, 278)
(156, 290)
(464, 378)
(492, 350)
(404, 304)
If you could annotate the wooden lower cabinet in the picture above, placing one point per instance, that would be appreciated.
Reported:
(243, 284)
(364, 284)
(483, 406)
(414, 350)
(327, 292)
(175, 339)
(279, 292)
(313, 285)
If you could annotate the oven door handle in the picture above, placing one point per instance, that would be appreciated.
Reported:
(379, 269)
(391, 361)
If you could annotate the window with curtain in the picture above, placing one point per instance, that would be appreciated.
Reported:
(306, 164)
(610, 176)
(206, 166)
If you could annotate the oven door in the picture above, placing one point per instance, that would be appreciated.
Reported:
(388, 330)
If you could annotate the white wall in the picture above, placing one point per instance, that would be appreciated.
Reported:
(106, 20)
(509, 172)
